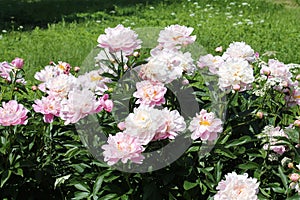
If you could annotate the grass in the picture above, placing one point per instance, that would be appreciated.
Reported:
(265, 25)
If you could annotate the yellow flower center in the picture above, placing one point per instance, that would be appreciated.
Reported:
(96, 78)
(204, 123)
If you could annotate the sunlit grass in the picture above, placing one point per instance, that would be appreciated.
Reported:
(263, 25)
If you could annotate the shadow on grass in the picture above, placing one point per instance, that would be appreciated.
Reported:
(31, 13)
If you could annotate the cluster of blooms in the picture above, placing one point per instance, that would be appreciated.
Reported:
(279, 77)
(271, 133)
(233, 67)
(68, 97)
(10, 70)
(237, 187)
(147, 123)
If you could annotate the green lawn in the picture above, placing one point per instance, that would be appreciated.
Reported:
(67, 30)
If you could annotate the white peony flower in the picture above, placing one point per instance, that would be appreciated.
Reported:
(143, 123)
(239, 50)
(235, 73)
(237, 187)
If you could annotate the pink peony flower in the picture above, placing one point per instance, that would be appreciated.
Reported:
(205, 126)
(93, 81)
(119, 39)
(64, 66)
(150, 93)
(105, 103)
(49, 106)
(173, 123)
(271, 132)
(143, 123)
(294, 177)
(212, 62)
(237, 187)
(5, 69)
(60, 85)
(18, 63)
(124, 147)
(78, 105)
(175, 36)
(12, 113)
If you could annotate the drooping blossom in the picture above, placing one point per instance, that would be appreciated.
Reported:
(119, 39)
(5, 69)
(49, 106)
(12, 113)
(110, 62)
(143, 123)
(93, 81)
(176, 36)
(9, 71)
(239, 50)
(18, 63)
(212, 62)
(105, 103)
(124, 147)
(236, 186)
(271, 133)
(294, 98)
(205, 126)
(164, 67)
(79, 104)
(235, 73)
(173, 124)
(150, 93)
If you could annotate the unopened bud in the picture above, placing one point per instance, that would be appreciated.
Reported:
(136, 54)
(260, 114)
(76, 69)
(34, 88)
(294, 177)
(290, 165)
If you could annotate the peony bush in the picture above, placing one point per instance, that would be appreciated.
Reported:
(240, 141)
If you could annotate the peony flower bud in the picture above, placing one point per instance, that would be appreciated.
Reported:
(18, 63)
(260, 114)
(219, 49)
(294, 177)
(297, 122)
(34, 87)
(76, 69)
(290, 165)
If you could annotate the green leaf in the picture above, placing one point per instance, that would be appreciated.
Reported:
(82, 187)
(80, 195)
(225, 152)
(5, 177)
(189, 185)
(283, 177)
(97, 185)
(108, 197)
(237, 142)
(249, 165)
